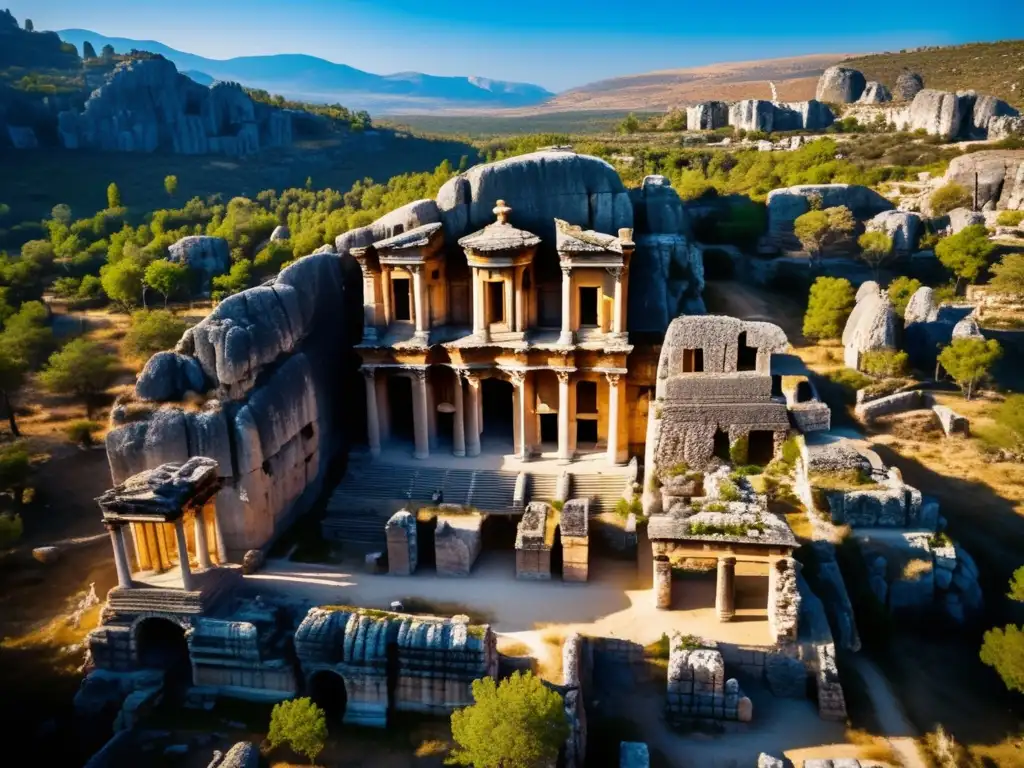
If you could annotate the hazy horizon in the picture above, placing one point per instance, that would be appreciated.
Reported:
(558, 46)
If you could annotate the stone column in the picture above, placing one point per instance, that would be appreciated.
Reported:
(419, 302)
(566, 336)
(518, 379)
(419, 414)
(510, 301)
(385, 289)
(222, 549)
(124, 571)
(564, 453)
(186, 571)
(369, 304)
(662, 583)
(202, 547)
(725, 595)
(617, 307)
(517, 288)
(459, 423)
(613, 417)
(372, 416)
(479, 317)
(472, 416)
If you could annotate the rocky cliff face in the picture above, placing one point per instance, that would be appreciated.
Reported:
(145, 105)
(767, 116)
(840, 85)
(786, 204)
(999, 175)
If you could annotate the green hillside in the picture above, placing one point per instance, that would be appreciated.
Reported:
(992, 68)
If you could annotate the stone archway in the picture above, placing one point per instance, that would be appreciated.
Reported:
(327, 689)
(161, 643)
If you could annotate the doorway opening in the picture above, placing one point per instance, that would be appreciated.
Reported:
(327, 690)
(721, 446)
(496, 397)
(402, 305)
(588, 307)
(693, 361)
(400, 402)
(496, 302)
(761, 447)
(556, 553)
(161, 644)
(746, 357)
(804, 393)
(549, 427)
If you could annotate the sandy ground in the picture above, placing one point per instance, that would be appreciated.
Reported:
(889, 713)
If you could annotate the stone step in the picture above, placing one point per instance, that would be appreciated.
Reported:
(542, 488)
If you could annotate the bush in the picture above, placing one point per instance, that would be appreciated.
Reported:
(1010, 218)
(1008, 275)
(885, 363)
(791, 451)
(969, 361)
(153, 331)
(739, 449)
(966, 253)
(300, 724)
(11, 529)
(1010, 416)
(626, 507)
(829, 305)
(81, 432)
(948, 197)
(14, 467)
(900, 291)
(82, 369)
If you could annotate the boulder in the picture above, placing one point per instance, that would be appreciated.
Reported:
(840, 85)
(46, 555)
(921, 308)
(280, 232)
(252, 561)
(967, 329)
(998, 173)
(940, 113)
(206, 256)
(902, 226)
(168, 376)
(870, 327)
(874, 93)
(765, 760)
(752, 115)
(867, 288)
(961, 218)
(908, 85)
(985, 109)
(707, 116)
(244, 754)
(787, 203)
(1005, 127)
(810, 115)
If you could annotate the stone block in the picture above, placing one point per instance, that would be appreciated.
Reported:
(457, 543)
(403, 553)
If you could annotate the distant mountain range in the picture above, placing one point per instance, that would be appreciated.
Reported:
(308, 78)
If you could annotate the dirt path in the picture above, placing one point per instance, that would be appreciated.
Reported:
(750, 302)
(898, 729)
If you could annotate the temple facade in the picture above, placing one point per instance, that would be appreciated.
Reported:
(497, 352)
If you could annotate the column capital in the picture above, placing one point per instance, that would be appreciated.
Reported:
(615, 272)
(566, 268)
(420, 373)
(563, 376)
(613, 378)
(368, 373)
(415, 269)
(518, 378)
(112, 525)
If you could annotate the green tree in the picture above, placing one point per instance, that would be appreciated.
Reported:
(1003, 649)
(817, 230)
(1008, 275)
(900, 292)
(171, 185)
(88, 52)
(885, 363)
(166, 277)
(301, 725)
(875, 249)
(516, 723)
(27, 338)
(631, 124)
(152, 332)
(948, 197)
(15, 468)
(61, 212)
(237, 280)
(969, 361)
(12, 377)
(113, 196)
(966, 253)
(81, 369)
(124, 281)
(1010, 416)
(1017, 584)
(830, 302)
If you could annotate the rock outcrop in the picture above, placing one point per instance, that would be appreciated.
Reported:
(939, 113)
(270, 363)
(961, 218)
(875, 93)
(1005, 127)
(145, 105)
(707, 116)
(870, 327)
(752, 115)
(908, 84)
(786, 204)
(206, 256)
(999, 175)
(902, 226)
(840, 85)
(986, 108)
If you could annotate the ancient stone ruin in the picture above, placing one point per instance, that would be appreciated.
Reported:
(698, 690)
(533, 543)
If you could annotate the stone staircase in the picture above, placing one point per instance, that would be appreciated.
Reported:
(542, 488)
(602, 490)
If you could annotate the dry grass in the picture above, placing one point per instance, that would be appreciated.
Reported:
(914, 569)
(513, 648)
(871, 747)
(432, 748)
(425, 607)
(800, 524)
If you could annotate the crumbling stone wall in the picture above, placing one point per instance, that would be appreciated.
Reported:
(533, 551)
(574, 651)
(783, 600)
(575, 528)
(697, 688)
(457, 543)
(403, 552)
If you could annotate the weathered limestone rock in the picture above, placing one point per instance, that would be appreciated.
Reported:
(908, 85)
(403, 552)
(575, 529)
(830, 587)
(244, 754)
(840, 85)
(767, 761)
(874, 93)
(252, 561)
(985, 109)
(786, 204)
(280, 232)
(1000, 180)
(168, 376)
(783, 600)
(1005, 127)
(697, 688)
(885, 406)
(533, 550)
(961, 218)
(707, 116)
(952, 422)
(871, 326)
(752, 115)
(939, 113)
(786, 676)
(902, 227)
(967, 328)
(457, 543)
(207, 256)
(867, 288)
(810, 115)
(921, 308)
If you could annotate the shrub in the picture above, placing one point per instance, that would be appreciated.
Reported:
(817, 230)
(1010, 416)
(152, 332)
(1010, 218)
(875, 249)
(81, 432)
(791, 451)
(946, 198)
(516, 723)
(739, 449)
(1008, 274)
(966, 253)
(82, 369)
(727, 491)
(300, 724)
(829, 305)
(626, 507)
(885, 362)
(11, 529)
(969, 361)
(900, 291)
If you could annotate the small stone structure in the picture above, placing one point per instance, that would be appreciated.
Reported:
(952, 423)
(697, 688)
(403, 552)
(533, 550)
(575, 530)
(457, 543)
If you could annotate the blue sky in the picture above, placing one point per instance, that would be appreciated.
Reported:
(555, 43)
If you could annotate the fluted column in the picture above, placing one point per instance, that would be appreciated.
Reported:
(517, 288)
(459, 424)
(725, 595)
(518, 379)
(202, 546)
(372, 415)
(124, 571)
(419, 301)
(510, 301)
(566, 336)
(473, 416)
(419, 415)
(385, 289)
(563, 416)
(662, 583)
(613, 417)
(617, 305)
(222, 549)
(186, 571)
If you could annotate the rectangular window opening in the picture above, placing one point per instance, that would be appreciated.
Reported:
(496, 302)
(693, 361)
(588, 307)
(400, 287)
